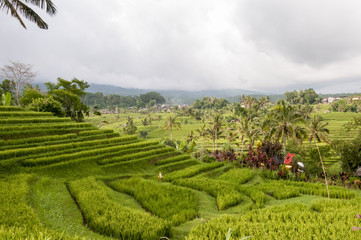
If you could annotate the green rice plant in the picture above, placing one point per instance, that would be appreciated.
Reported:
(237, 175)
(289, 221)
(226, 194)
(95, 137)
(11, 108)
(37, 139)
(258, 197)
(215, 172)
(173, 159)
(33, 120)
(22, 134)
(278, 189)
(136, 155)
(21, 127)
(27, 151)
(67, 154)
(173, 203)
(177, 165)
(95, 132)
(4, 114)
(75, 139)
(92, 153)
(33, 233)
(320, 190)
(137, 165)
(191, 171)
(111, 148)
(14, 196)
(108, 217)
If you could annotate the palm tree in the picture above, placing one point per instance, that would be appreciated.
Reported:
(248, 128)
(202, 132)
(170, 123)
(191, 137)
(215, 129)
(285, 120)
(318, 133)
(17, 7)
(159, 117)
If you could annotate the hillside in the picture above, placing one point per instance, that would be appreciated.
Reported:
(66, 180)
(176, 96)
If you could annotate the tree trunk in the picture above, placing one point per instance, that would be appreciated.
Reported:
(323, 169)
(242, 152)
(17, 93)
(171, 135)
(216, 138)
(284, 145)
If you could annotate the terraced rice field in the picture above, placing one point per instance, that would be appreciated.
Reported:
(65, 180)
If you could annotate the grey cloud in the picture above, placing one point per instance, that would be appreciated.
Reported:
(313, 32)
(191, 45)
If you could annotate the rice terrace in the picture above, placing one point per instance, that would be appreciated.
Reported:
(180, 120)
(90, 179)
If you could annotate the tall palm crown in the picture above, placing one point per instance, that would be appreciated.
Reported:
(18, 7)
(285, 123)
(248, 127)
(170, 123)
(216, 128)
(318, 130)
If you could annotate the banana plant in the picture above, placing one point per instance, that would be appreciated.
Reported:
(6, 99)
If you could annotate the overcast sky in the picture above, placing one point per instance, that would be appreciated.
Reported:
(261, 45)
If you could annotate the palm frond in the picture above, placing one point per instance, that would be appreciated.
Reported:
(30, 14)
(5, 4)
(50, 7)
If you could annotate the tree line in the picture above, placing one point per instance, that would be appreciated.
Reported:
(112, 101)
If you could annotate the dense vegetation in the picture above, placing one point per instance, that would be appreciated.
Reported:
(112, 101)
(66, 180)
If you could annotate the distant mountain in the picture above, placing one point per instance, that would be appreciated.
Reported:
(175, 96)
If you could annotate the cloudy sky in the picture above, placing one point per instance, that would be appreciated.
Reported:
(261, 45)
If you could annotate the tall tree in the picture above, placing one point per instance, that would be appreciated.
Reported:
(7, 86)
(20, 74)
(69, 93)
(318, 133)
(159, 117)
(171, 123)
(248, 130)
(215, 129)
(203, 133)
(130, 127)
(18, 7)
(285, 123)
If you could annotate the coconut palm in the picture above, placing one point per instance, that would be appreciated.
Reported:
(171, 123)
(248, 127)
(202, 132)
(285, 124)
(18, 7)
(215, 129)
(159, 117)
(318, 133)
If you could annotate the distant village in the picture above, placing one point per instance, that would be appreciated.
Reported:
(333, 99)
